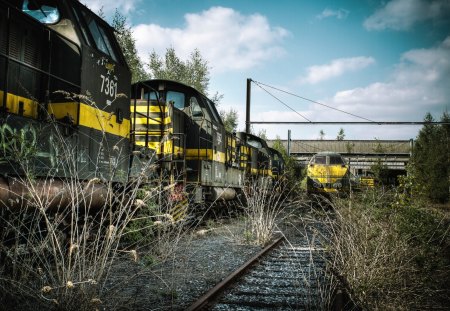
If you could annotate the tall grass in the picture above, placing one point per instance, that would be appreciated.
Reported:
(60, 257)
(264, 203)
(389, 257)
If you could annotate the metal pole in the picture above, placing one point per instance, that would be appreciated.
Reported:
(289, 143)
(411, 147)
(247, 111)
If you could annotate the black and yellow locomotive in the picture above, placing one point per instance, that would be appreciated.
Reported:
(193, 149)
(61, 73)
(327, 172)
(185, 131)
(58, 48)
(64, 78)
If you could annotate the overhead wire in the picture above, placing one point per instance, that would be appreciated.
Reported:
(308, 145)
(310, 100)
(258, 84)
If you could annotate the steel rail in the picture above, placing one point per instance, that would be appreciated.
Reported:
(215, 291)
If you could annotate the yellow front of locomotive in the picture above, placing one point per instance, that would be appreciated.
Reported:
(327, 173)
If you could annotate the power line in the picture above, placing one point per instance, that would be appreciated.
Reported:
(354, 123)
(281, 101)
(312, 101)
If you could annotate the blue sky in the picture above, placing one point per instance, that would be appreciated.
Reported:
(381, 60)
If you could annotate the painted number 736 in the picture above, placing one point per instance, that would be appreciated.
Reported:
(109, 86)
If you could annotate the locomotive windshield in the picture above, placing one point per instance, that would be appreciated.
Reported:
(212, 108)
(196, 110)
(150, 95)
(335, 159)
(254, 143)
(320, 160)
(176, 98)
(100, 35)
(45, 11)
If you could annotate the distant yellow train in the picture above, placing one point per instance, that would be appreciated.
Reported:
(327, 173)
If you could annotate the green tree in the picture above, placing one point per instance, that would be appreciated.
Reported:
(229, 119)
(379, 169)
(349, 147)
(124, 36)
(321, 135)
(193, 72)
(262, 134)
(341, 134)
(291, 168)
(431, 158)
(216, 98)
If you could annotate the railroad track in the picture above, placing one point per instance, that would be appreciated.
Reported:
(281, 277)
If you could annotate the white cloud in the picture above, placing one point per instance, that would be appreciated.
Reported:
(339, 13)
(227, 39)
(335, 68)
(403, 14)
(419, 84)
(123, 6)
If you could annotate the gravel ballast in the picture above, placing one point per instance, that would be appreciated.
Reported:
(202, 258)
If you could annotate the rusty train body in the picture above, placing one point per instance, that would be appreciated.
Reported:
(66, 93)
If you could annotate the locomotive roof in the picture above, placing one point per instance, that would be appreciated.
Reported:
(180, 85)
(247, 136)
(169, 81)
(273, 150)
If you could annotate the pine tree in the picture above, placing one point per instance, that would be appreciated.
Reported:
(431, 158)
(341, 134)
(321, 135)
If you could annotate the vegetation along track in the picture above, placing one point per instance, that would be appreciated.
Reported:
(281, 277)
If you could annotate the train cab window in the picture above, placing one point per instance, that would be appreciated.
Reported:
(101, 35)
(82, 26)
(196, 110)
(150, 95)
(45, 11)
(336, 160)
(212, 108)
(255, 143)
(320, 160)
(177, 98)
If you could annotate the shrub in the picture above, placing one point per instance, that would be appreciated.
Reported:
(387, 252)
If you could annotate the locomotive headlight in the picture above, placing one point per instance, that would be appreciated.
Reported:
(337, 185)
